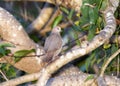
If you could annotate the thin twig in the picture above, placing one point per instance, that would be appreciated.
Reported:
(118, 65)
(108, 61)
(4, 75)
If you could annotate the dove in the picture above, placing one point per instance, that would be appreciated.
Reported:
(53, 45)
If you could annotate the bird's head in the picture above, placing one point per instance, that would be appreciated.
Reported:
(56, 29)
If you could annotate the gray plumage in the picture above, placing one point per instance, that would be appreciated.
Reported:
(53, 44)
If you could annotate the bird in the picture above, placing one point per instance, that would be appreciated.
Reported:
(53, 45)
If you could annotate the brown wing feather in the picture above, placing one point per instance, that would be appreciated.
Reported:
(52, 47)
(53, 42)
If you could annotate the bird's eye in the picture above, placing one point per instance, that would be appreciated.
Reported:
(58, 28)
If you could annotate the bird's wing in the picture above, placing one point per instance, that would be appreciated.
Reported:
(53, 43)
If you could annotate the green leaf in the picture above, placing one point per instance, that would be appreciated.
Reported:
(85, 18)
(114, 48)
(89, 78)
(91, 32)
(22, 53)
(93, 61)
(89, 59)
(106, 46)
(2, 51)
(92, 16)
(87, 63)
(71, 14)
(34, 38)
(17, 59)
(64, 10)
(9, 70)
(76, 28)
(99, 60)
(57, 20)
(6, 45)
(76, 37)
(85, 9)
(104, 4)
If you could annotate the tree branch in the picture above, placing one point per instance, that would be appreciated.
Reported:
(62, 80)
(11, 31)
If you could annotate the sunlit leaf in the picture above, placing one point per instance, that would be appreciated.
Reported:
(57, 20)
(78, 14)
(77, 23)
(97, 31)
(106, 46)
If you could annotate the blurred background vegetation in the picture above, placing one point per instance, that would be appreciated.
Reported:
(89, 20)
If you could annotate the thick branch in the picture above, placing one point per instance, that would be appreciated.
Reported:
(79, 80)
(70, 80)
(11, 31)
